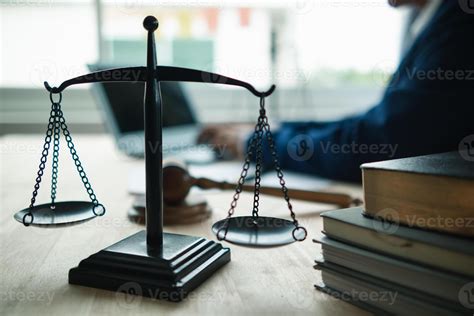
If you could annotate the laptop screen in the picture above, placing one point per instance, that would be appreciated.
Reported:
(124, 102)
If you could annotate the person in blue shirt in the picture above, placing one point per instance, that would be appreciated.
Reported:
(427, 107)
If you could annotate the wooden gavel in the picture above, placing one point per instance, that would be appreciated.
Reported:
(178, 182)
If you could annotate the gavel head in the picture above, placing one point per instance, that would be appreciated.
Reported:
(176, 182)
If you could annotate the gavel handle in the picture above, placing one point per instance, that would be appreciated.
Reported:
(339, 199)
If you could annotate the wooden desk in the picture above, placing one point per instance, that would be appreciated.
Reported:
(35, 262)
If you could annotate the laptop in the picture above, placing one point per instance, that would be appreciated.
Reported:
(122, 105)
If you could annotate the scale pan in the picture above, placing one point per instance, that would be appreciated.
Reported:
(64, 213)
(259, 232)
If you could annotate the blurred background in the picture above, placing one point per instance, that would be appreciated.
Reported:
(326, 57)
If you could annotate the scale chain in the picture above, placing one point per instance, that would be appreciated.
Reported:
(259, 129)
(77, 162)
(57, 123)
(44, 156)
(243, 176)
(57, 134)
(279, 172)
(262, 127)
(238, 189)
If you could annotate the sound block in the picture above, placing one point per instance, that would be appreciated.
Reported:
(194, 209)
(184, 263)
(138, 216)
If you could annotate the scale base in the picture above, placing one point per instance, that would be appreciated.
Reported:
(128, 266)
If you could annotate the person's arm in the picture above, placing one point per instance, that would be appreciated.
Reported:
(409, 121)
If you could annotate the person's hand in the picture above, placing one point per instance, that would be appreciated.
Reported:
(228, 140)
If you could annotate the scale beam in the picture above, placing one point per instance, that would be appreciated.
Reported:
(167, 73)
(162, 73)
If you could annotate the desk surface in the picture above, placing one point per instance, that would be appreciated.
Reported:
(35, 262)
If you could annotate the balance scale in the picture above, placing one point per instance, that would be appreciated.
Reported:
(163, 265)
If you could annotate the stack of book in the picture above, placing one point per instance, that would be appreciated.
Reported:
(410, 249)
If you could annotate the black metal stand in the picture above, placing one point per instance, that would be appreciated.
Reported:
(171, 273)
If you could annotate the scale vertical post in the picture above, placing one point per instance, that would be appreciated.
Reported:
(153, 145)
